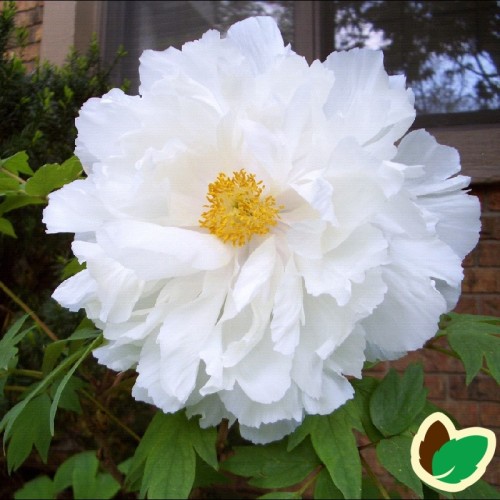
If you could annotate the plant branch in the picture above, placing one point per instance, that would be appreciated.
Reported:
(27, 373)
(29, 311)
(116, 420)
(10, 174)
(374, 478)
(310, 481)
(15, 388)
(222, 436)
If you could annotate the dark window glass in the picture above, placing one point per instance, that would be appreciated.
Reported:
(139, 25)
(449, 50)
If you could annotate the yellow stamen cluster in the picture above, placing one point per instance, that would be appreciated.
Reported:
(236, 209)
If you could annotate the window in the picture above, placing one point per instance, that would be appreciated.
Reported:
(449, 50)
(138, 25)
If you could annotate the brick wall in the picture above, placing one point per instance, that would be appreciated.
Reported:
(30, 16)
(481, 286)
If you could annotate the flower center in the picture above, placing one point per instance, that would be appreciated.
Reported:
(237, 210)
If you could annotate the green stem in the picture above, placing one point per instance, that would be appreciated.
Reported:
(10, 174)
(311, 480)
(27, 373)
(29, 311)
(453, 354)
(374, 478)
(117, 421)
(15, 388)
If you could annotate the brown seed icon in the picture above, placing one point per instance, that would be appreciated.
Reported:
(435, 437)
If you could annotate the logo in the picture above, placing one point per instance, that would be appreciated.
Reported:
(449, 459)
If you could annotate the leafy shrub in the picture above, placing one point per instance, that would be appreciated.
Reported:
(37, 115)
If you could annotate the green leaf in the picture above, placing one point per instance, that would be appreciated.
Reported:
(359, 407)
(167, 455)
(207, 476)
(394, 454)
(396, 401)
(19, 200)
(69, 399)
(41, 487)
(17, 163)
(324, 487)
(64, 381)
(8, 349)
(457, 459)
(53, 176)
(87, 482)
(7, 228)
(71, 268)
(335, 444)
(10, 417)
(474, 338)
(31, 427)
(8, 184)
(84, 333)
(480, 489)
(81, 472)
(272, 466)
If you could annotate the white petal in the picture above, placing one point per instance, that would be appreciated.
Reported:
(421, 148)
(409, 315)
(264, 374)
(256, 272)
(335, 391)
(253, 414)
(259, 39)
(75, 208)
(156, 252)
(335, 272)
(458, 219)
(288, 312)
(118, 358)
(76, 292)
(267, 433)
(348, 359)
(181, 358)
(101, 125)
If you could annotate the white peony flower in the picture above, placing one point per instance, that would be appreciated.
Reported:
(252, 233)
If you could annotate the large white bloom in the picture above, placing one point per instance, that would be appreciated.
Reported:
(252, 233)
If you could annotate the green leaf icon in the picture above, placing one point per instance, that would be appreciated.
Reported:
(457, 459)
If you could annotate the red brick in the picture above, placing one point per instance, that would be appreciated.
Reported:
(490, 229)
(467, 304)
(492, 474)
(490, 305)
(494, 199)
(403, 363)
(30, 52)
(437, 362)
(489, 253)
(470, 260)
(490, 415)
(377, 369)
(482, 388)
(29, 17)
(437, 386)
(483, 280)
(466, 413)
(27, 5)
(36, 33)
